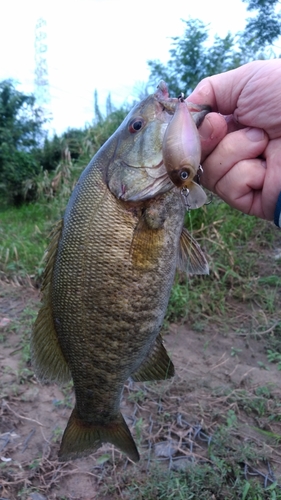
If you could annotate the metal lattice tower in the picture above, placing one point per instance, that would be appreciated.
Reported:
(41, 77)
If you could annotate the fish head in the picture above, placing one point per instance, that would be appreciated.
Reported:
(136, 170)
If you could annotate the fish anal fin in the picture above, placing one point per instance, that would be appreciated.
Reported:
(82, 438)
(157, 366)
(47, 358)
(191, 258)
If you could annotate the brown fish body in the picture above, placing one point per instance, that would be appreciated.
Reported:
(117, 293)
(110, 269)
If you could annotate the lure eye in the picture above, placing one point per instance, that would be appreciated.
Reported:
(184, 175)
(136, 125)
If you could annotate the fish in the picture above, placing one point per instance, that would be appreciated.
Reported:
(110, 267)
(182, 151)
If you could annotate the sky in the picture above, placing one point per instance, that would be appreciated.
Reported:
(99, 44)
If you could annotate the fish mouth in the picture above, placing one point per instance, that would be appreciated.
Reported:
(151, 181)
(158, 186)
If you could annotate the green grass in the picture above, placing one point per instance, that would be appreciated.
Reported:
(24, 237)
(240, 251)
(207, 482)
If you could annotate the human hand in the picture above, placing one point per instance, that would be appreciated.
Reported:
(242, 151)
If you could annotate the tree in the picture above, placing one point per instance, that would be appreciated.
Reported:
(98, 116)
(194, 56)
(20, 134)
(265, 28)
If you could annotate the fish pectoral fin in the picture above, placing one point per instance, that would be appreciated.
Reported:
(82, 438)
(47, 358)
(191, 258)
(147, 242)
(157, 366)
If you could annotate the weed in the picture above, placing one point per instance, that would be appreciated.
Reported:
(137, 396)
(138, 429)
(235, 351)
(57, 434)
(274, 357)
(35, 464)
(25, 237)
(238, 271)
(231, 419)
(220, 481)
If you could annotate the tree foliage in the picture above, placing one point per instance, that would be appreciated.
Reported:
(194, 56)
(264, 28)
(20, 133)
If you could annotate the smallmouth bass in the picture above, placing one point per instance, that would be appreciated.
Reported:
(110, 268)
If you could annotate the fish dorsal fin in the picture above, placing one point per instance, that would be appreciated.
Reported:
(191, 258)
(157, 366)
(47, 358)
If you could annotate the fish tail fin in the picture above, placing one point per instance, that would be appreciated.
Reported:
(81, 438)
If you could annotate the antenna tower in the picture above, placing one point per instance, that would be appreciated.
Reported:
(41, 77)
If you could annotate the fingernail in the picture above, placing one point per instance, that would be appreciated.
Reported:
(255, 134)
(206, 129)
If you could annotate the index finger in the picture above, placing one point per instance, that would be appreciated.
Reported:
(222, 91)
(211, 132)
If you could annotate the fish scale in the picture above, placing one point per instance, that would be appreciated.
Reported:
(110, 268)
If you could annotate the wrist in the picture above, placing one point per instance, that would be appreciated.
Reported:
(277, 212)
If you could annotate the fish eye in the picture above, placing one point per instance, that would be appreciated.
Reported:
(135, 125)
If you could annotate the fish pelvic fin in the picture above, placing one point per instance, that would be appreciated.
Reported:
(47, 358)
(82, 438)
(191, 258)
(157, 366)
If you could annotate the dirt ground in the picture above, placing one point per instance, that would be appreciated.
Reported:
(172, 421)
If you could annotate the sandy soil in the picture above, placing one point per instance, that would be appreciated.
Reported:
(171, 421)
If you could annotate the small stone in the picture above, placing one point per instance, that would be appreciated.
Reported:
(30, 395)
(4, 322)
(166, 448)
(37, 496)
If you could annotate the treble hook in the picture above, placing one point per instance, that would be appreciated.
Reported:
(210, 200)
(185, 194)
(197, 177)
(198, 180)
